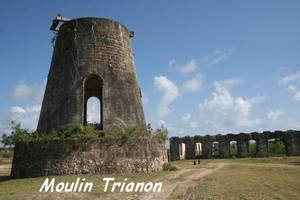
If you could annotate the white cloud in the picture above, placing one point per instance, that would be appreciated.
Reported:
(218, 56)
(189, 67)
(290, 82)
(226, 110)
(28, 116)
(170, 91)
(228, 83)
(194, 124)
(292, 88)
(21, 91)
(193, 85)
(171, 63)
(257, 99)
(17, 109)
(212, 58)
(290, 78)
(186, 117)
(273, 115)
(297, 96)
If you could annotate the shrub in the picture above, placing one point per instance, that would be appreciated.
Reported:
(127, 130)
(169, 167)
(161, 133)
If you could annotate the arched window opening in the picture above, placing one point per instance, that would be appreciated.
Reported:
(215, 149)
(198, 149)
(252, 147)
(93, 104)
(233, 148)
(276, 147)
(93, 111)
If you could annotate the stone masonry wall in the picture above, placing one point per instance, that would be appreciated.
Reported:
(290, 138)
(92, 58)
(101, 156)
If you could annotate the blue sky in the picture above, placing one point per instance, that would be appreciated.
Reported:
(204, 67)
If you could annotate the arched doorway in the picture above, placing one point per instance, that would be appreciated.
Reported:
(182, 152)
(198, 149)
(215, 149)
(252, 147)
(276, 147)
(233, 148)
(93, 103)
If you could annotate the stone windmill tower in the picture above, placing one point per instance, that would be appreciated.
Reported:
(92, 58)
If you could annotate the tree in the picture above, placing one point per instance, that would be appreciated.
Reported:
(7, 140)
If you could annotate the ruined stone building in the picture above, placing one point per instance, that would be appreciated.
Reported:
(218, 146)
(92, 58)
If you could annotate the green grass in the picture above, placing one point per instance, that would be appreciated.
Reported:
(251, 182)
(246, 178)
(290, 160)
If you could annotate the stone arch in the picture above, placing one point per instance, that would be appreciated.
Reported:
(276, 147)
(233, 148)
(215, 149)
(252, 147)
(93, 87)
(198, 149)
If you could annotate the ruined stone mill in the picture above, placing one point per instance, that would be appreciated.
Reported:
(92, 58)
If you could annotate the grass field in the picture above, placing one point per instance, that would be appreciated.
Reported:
(247, 178)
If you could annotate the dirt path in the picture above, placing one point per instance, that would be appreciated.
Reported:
(5, 170)
(182, 183)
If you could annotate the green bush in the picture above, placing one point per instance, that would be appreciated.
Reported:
(276, 147)
(20, 135)
(169, 167)
(161, 133)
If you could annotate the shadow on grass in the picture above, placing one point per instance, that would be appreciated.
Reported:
(5, 178)
(295, 163)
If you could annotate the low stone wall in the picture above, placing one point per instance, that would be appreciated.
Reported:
(100, 156)
(291, 140)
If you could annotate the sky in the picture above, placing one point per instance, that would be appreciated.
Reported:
(204, 67)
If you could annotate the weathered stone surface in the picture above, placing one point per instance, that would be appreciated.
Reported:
(174, 149)
(291, 140)
(101, 156)
(207, 147)
(242, 145)
(92, 57)
(292, 143)
(261, 143)
(224, 146)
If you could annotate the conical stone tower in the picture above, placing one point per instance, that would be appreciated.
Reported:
(92, 58)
